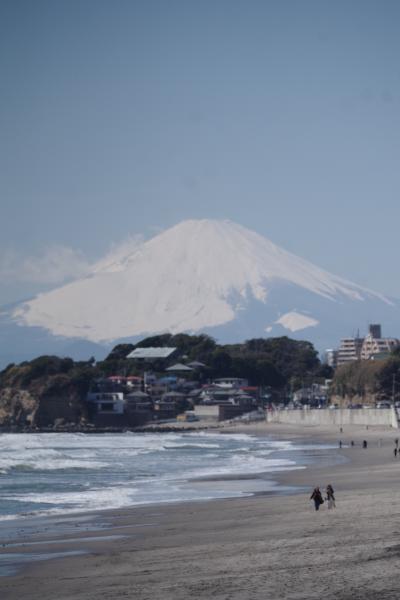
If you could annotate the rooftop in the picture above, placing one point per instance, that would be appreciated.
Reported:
(179, 367)
(151, 353)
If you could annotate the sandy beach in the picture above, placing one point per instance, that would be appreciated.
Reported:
(258, 547)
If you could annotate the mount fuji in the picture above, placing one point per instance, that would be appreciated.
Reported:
(208, 276)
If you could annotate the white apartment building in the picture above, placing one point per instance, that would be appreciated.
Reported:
(357, 348)
(373, 346)
(349, 350)
(331, 357)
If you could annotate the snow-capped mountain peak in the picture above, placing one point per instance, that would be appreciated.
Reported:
(195, 276)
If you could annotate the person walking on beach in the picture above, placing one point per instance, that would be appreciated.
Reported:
(330, 496)
(395, 451)
(317, 497)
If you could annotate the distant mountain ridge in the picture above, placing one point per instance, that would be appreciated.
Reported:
(206, 276)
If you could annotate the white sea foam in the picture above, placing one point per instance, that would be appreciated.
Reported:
(296, 448)
(101, 498)
(218, 436)
(240, 465)
(44, 459)
(184, 445)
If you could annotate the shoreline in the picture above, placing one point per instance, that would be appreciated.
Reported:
(219, 530)
(268, 477)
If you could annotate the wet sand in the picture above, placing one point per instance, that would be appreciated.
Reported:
(259, 547)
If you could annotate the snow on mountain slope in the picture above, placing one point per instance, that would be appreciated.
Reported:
(295, 321)
(199, 274)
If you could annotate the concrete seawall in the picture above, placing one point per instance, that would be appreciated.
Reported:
(207, 412)
(337, 417)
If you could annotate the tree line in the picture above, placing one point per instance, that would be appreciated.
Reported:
(273, 362)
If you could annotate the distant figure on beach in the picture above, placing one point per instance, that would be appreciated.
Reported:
(396, 442)
(395, 452)
(340, 443)
(330, 496)
(365, 444)
(317, 497)
(352, 443)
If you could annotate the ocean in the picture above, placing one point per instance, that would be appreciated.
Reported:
(61, 473)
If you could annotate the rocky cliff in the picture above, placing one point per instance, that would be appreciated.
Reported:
(17, 408)
(45, 393)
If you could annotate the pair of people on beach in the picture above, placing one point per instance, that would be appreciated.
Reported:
(318, 499)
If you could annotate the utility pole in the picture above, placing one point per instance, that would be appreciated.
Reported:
(393, 388)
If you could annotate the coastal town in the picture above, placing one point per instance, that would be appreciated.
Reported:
(186, 379)
(134, 400)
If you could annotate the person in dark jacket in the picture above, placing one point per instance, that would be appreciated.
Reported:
(317, 497)
(330, 496)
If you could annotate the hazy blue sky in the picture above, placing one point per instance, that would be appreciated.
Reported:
(121, 117)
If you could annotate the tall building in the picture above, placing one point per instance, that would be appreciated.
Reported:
(375, 331)
(331, 356)
(374, 344)
(370, 347)
(349, 350)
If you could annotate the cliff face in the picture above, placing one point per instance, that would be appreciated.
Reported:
(47, 392)
(17, 408)
(33, 409)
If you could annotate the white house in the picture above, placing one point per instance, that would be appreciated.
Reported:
(107, 402)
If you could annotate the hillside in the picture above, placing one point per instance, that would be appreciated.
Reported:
(44, 392)
(368, 381)
(50, 391)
